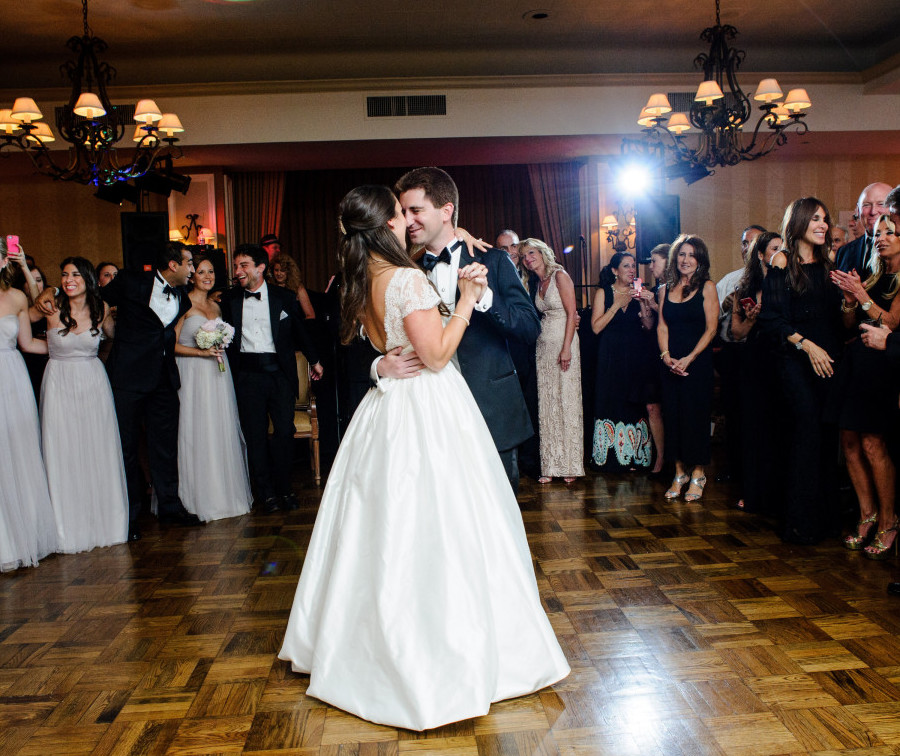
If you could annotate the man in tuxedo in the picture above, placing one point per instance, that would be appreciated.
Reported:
(430, 202)
(268, 331)
(856, 255)
(144, 377)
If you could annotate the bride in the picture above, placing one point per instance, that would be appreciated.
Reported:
(417, 605)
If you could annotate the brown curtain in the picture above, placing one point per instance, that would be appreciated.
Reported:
(492, 198)
(557, 197)
(258, 202)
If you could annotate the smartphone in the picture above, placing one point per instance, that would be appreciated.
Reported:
(748, 302)
(12, 244)
(638, 285)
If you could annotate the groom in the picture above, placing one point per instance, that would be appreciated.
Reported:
(268, 330)
(430, 202)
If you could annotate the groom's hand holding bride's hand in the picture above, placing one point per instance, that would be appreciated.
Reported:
(473, 280)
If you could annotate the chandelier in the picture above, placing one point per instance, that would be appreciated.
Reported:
(91, 124)
(720, 111)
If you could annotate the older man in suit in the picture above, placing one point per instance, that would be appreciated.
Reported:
(857, 254)
(268, 331)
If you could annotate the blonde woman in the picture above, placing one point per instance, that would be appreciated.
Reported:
(558, 366)
(286, 273)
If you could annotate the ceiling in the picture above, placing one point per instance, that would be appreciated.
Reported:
(203, 41)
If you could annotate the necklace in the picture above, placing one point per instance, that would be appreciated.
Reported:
(617, 291)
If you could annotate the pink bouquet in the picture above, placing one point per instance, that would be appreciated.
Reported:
(215, 333)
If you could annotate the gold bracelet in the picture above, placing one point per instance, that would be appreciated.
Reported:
(662, 356)
(847, 308)
(465, 320)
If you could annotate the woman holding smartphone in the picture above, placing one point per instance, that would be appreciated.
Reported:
(27, 532)
(622, 317)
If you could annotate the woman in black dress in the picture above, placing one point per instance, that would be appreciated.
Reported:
(688, 318)
(622, 316)
(865, 409)
(801, 314)
(762, 484)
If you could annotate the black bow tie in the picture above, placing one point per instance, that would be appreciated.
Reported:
(168, 291)
(253, 294)
(430, 260)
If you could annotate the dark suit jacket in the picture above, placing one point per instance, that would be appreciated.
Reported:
(288, 330)
(143, 347)
(484, 356)
(852, 256)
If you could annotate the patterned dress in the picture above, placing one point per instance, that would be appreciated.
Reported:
(559, 392)
(621, 434)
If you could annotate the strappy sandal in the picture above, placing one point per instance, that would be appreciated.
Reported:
(877, 550)
(858, 542)
(677, 484)
(700, 483)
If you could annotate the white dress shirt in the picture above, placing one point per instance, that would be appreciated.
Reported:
(256, 325)
(445, 278)
(165, 307)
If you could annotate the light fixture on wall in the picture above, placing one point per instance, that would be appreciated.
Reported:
(620, 236)
(91, 124)
(720, 110)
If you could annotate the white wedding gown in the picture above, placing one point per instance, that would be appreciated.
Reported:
(418, 605)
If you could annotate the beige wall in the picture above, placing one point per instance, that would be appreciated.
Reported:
(719, 207)
(57, 219)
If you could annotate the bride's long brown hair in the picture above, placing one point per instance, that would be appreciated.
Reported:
(363, 215)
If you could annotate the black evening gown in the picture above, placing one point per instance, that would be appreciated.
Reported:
(687, 400)
(809, 443)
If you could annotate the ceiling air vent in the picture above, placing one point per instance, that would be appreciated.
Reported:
(392, 106)
(681, 101)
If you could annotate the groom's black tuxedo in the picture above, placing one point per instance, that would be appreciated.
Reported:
(484, 358)
(145, 382)
(266, 386)
(143, 347)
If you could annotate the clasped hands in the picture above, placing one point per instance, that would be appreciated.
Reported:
(473, 280)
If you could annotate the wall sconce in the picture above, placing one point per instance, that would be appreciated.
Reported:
(619, 239)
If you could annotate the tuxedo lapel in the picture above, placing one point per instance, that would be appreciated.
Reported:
(237, 314)
(274, 314)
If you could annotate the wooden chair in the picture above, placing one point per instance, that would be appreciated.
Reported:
(306, 421)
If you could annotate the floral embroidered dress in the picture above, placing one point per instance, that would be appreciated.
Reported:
(621, 433)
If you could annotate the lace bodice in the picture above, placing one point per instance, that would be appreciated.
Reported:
(408, 290)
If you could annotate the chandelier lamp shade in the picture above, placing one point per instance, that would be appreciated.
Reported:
(91, 124)
(715, 130)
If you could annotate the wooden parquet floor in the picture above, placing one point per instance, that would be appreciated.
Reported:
(690, 630)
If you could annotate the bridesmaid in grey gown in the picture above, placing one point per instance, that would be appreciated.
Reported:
(82, 450)
(212, 458)
(26, 519)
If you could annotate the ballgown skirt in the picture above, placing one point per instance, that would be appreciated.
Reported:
(418, 605)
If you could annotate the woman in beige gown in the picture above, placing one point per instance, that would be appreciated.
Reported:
(558, 366)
